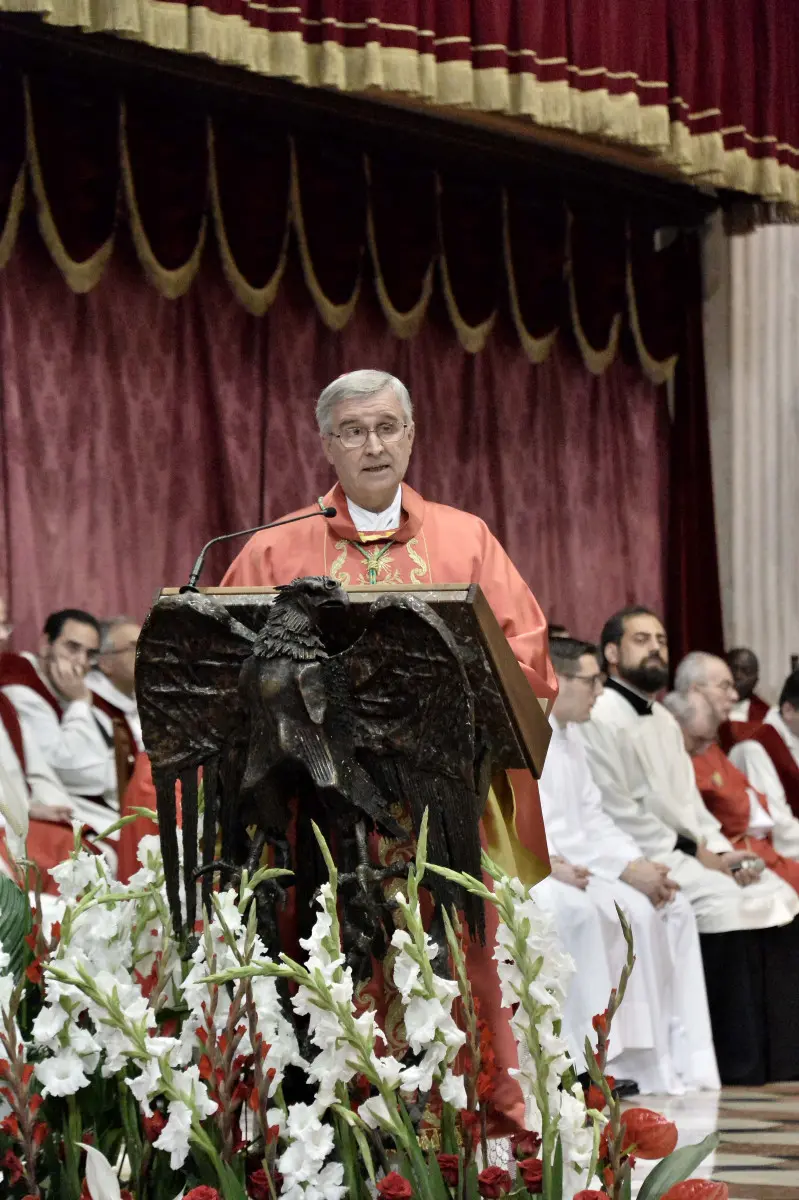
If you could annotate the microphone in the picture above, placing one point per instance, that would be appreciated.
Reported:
(196, 570)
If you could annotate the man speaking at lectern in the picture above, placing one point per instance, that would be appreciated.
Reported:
(385, 532)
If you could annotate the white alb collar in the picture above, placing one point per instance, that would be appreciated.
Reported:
(372, 522)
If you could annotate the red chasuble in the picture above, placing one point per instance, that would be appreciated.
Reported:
(725, 791)
(732, 732)
(435, 544)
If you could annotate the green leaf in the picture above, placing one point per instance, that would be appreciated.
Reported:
(232, 1187)
(557, 1171)
(678, 1166)
(627, 1187)
(366, 1153)
(15, 923)
(471, 1190)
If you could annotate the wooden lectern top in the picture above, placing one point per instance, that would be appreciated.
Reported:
(504, 703)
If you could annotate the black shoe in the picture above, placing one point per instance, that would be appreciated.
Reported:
(624, 1088)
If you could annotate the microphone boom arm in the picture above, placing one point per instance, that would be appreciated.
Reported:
(196, 570)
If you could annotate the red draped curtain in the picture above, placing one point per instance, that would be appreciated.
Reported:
(183, 177)
(135, 427)
(710, 87)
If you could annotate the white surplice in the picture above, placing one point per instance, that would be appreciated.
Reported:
(754, 760)
(664, 1019)
(102, 686)
(37, 784)
(75, 747)
(648, 787)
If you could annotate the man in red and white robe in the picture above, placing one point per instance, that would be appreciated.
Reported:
(385, 532)
(770, 756)
(749, 711)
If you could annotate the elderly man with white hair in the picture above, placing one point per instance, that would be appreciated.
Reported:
(751, 819)
(750, 942)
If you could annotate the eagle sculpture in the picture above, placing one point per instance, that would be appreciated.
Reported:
(289, 727)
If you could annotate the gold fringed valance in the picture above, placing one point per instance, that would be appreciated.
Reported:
(665, 78)
(497, 251)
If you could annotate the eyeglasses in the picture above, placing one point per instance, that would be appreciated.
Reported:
(353, 437)
(593, 681)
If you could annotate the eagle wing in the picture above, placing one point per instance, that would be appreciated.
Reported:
(189, 657)
(401, 694)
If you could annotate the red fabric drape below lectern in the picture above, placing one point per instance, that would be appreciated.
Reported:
(134, 428)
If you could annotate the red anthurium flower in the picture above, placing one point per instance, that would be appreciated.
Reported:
(449, 1166)
(651, 1133)
(697, 1189)
(532, 1173)
(493, 1182)
(203, 1192)
(394, 1187)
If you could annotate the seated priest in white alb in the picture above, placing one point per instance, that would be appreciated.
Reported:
(770, 757)
(54, 705)
(749, 939)
(668, 1039)
(113, 680)
(29, 789)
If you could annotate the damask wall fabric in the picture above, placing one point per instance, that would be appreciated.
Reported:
(134, 428)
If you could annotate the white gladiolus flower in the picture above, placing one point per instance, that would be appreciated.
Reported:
(374, 1114)
(226, 910)
(75, 875)
(48, 1024)
(453, 1090)
(174, 1137)
(61, 1075)
(6, 989)
(146, 1085)
(327, 1185)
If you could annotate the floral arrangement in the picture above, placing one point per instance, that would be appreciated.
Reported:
(131, 1072)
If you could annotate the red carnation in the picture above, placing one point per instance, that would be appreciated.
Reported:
(697, 1189)
(526, 1145)
(650, 1132)
(153, 1125)
(393, 1187)
(493, 1182)
(258, 1185)
(449, 1166)
(532, 1173)
(203, 1192)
